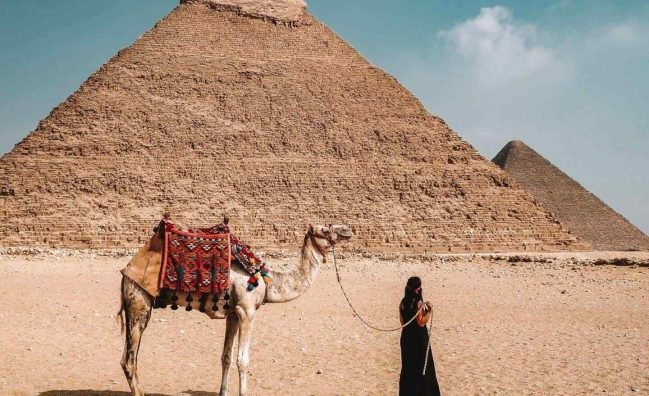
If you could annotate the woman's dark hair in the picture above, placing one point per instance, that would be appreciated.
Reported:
(412, 293)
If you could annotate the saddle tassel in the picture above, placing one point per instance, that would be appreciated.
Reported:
(215, 301)
(174, 301)
(215, 298)
(189, 300)
(180, 271)
(227, 300)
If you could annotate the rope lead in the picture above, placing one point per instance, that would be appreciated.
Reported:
(430, 324)
(333, 252)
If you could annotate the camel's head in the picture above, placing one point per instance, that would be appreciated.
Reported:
(326, 236)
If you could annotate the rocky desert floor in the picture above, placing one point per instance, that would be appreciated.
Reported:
(507, 324)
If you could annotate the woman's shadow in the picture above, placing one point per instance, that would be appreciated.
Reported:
(90, 392)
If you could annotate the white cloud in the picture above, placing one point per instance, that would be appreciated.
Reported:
(499, 48)
(622, 33)
(625, 33)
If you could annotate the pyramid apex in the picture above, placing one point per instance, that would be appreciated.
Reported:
(512, 147)
(282, 10)
(516, 143)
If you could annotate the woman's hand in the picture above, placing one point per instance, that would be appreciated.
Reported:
(425, 313)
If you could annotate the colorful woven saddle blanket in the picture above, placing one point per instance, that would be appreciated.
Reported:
(199, 259)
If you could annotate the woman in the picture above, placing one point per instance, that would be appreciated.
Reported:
(414, 342)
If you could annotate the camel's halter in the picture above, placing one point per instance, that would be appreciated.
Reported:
(332, 242)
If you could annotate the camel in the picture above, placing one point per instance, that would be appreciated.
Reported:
(136, 305)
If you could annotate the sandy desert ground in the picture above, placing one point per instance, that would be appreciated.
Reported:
(556, 325)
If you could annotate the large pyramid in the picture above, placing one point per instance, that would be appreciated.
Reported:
(580, 211)
(255, 109)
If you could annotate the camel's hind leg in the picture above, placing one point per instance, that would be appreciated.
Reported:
(246, 319)
(231, 328)
(136, 304)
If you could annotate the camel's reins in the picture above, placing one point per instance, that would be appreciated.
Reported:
(333, 253)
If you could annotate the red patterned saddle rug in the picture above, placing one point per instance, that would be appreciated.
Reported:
(198, 260)
(195, 262)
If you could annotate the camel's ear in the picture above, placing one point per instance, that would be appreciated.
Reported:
(226, 220)
(311, 229)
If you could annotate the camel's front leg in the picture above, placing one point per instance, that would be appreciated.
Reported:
(245, 332)
(231, 327)
(137, 311)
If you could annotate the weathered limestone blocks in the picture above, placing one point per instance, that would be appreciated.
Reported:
(213, 112)
(290, 11)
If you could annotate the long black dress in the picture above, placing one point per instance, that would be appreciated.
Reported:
(414, 340)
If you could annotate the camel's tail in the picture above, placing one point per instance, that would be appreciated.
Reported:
(120, 313)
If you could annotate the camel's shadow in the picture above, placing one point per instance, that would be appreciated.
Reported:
(90, 392)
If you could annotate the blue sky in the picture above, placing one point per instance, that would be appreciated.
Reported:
(569, 77)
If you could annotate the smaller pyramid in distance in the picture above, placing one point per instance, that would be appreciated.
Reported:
(585, 215)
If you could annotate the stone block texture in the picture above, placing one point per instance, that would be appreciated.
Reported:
(278, 125)
(585, 215)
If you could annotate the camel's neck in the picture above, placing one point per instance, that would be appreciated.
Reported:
(290, 284)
